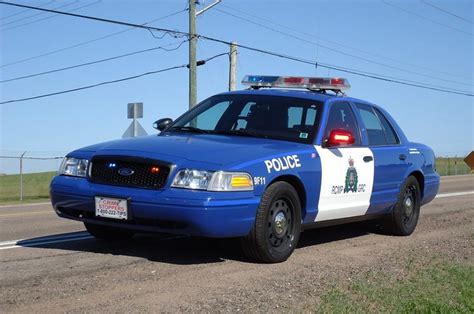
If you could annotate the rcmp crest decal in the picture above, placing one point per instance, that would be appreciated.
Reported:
(351, 182)
(351, 178)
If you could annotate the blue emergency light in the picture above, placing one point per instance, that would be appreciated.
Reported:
(262, 79)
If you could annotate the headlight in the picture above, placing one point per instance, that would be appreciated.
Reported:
(230, 181)
(192, 179)
(213, 181)
(75, 167)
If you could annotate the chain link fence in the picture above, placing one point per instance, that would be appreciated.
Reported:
(451, 166)
(25, 177)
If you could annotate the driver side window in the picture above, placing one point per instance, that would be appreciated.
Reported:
(241, 122)
(341, 117)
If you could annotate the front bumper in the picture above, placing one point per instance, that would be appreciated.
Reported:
(178, 211)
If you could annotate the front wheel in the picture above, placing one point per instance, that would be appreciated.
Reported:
(404, 217)
(108, 233)
(277, 225)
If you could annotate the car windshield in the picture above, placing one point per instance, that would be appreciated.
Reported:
(274, 117)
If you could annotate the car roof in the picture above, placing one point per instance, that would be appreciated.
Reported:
(299, 93)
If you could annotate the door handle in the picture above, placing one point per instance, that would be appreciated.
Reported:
(402, 157)
(368, 158)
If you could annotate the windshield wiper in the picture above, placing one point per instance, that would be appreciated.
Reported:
(188, 129)
(240, 132)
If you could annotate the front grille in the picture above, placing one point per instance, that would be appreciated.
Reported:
(129, 171)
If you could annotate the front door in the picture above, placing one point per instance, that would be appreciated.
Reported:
(347, 172)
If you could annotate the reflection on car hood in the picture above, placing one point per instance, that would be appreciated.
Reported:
(216, 149)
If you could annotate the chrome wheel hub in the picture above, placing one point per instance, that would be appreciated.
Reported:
(408, 206)
(408, 202)
(280, 224)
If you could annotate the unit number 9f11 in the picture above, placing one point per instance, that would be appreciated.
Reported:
(259, 181)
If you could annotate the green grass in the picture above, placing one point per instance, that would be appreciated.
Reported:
(451, 166)
(35, 187)
(437, 286)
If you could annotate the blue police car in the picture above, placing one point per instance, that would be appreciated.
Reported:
(263, 164)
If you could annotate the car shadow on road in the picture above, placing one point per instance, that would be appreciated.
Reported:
(343, 232)
(183, 250)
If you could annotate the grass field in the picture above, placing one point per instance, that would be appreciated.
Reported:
(428, 286)
(35, 187)
(449, 166)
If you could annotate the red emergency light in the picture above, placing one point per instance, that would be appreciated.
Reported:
(340, 138)
(155, 169)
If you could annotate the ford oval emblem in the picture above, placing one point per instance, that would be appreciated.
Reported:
(126, 171)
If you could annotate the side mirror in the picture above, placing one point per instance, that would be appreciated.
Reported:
(162, 124)
(339, 138)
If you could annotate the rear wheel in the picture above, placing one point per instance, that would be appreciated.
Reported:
(108, 233)
(277, 225)
(404, 217)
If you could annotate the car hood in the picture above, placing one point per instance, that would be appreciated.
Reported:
(206, 148)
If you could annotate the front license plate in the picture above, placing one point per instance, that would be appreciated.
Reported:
(111, 207)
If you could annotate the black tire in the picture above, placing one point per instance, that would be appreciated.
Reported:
(404, 217)
(277, 225)
(108, 233)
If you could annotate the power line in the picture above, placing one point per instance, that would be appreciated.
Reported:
(186, 34)
(426, 18)
(99, 19)
(356, 72)
(314, 63)
(88, 41)
(98, 61)
(23, 11)
(261, 18)
(37, 14)
(339, 51)
(201, 62)
(49, 17)
(446, 11)
(92, 86)
(212, 58)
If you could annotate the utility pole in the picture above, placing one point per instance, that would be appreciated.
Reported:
(233, 66)
(192, 54)
(192, 48)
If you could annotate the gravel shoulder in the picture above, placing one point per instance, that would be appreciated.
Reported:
(153, 273)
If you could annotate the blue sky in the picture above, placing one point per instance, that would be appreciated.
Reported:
(369, 30)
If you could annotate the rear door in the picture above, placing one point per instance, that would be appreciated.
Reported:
(389, 155)
(347, 172)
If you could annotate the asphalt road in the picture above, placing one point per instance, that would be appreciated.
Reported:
(52, 264)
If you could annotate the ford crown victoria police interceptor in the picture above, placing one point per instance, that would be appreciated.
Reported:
(261, 164)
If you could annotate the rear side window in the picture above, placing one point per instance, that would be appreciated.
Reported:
(294, 116)
(390, 134)
(379, 130)
(342, 117)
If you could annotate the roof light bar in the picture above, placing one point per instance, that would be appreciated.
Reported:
(311, 83)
